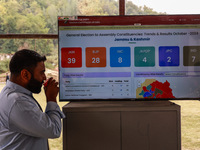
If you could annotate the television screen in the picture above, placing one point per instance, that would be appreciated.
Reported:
(129, 57)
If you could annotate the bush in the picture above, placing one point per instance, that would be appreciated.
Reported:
(4, 66)
(52, 62)
(49, 65)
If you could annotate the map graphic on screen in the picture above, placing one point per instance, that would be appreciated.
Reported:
(152, 88)
(129, 57)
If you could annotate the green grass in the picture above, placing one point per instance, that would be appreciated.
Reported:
(190, 123)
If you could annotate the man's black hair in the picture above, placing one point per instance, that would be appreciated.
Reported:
(25, 59)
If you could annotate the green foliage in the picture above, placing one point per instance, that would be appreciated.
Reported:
(97, 7)
(19, 16)
(132, 9)
(8, 46)
(44, 46)
(52, 62)
(40, 16)
(4, 66)
(49, 65)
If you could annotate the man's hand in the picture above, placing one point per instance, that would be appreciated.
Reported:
(51, 89)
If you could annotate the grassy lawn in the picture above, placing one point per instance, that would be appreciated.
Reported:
(190, 123)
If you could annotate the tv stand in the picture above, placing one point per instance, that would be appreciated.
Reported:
(122, 125)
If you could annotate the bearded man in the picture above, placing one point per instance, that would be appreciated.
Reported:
(23, 124)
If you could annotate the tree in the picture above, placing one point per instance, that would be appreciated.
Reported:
(23, 17)
(110, 7)
(132, 9)
(40, 16)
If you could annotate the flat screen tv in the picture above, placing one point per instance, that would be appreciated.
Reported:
(129, 57)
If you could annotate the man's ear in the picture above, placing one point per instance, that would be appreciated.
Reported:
(25, 75)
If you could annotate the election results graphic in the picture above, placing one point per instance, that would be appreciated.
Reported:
(129, 62)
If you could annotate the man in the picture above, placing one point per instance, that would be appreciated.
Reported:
(23, 125)
(7, 77)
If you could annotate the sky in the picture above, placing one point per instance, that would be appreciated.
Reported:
(171, 6)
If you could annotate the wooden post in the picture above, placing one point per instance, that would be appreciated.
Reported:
(35, 44)
(122, 7)
(28, 36)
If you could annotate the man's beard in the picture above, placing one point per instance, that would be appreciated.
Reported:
(34, 85)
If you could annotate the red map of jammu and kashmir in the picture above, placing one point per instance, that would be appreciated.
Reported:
(152, 88)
